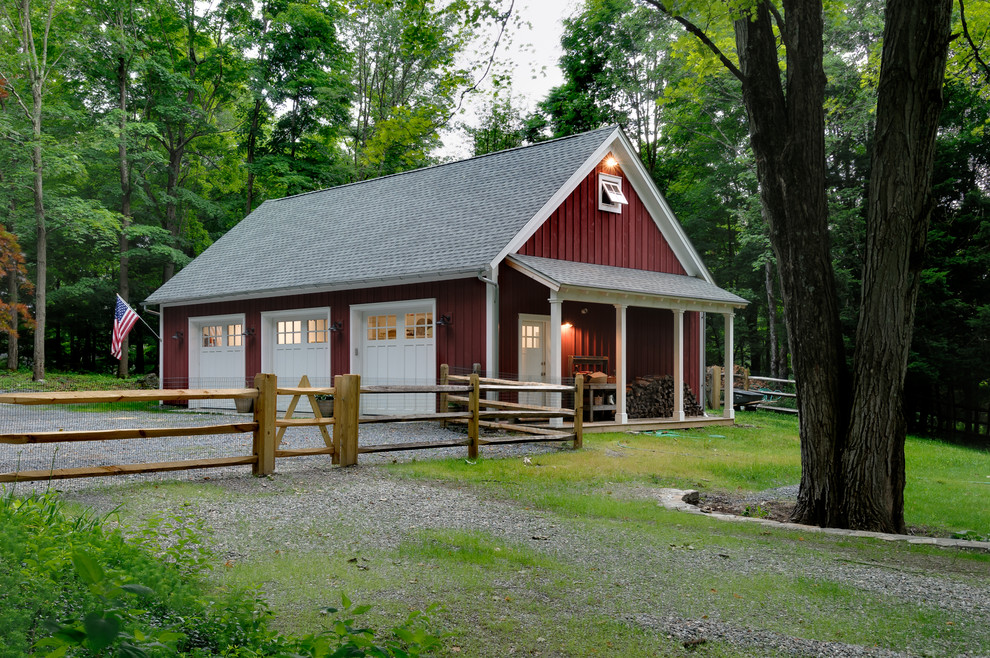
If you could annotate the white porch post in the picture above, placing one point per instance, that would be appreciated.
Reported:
(678, 364)
(620, 364)
(554, 367)
(728, 411)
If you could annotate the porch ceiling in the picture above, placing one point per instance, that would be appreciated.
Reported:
(573, 281)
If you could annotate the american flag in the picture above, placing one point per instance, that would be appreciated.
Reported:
(124, 318)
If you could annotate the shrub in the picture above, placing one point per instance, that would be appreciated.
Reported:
(74, 586)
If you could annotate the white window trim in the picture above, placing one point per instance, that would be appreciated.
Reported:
(610, 207)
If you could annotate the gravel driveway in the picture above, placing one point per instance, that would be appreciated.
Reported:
(291, 509)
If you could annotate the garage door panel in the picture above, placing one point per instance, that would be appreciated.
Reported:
(217, 357)
(300, 345)
(398, 348)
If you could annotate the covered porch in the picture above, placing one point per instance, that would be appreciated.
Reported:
(632, 324)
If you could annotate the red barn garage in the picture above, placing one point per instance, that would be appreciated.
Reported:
(535, 262)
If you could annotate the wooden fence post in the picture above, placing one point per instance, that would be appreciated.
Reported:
(444, 380)
(474, 406)
(265, 411)
(346, 409)
(578, 411)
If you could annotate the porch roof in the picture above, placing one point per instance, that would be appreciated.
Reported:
(586, 281)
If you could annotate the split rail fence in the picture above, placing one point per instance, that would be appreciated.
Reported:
(743, 380)
(462, 400)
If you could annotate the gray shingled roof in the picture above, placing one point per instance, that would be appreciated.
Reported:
(623, 279)
(440, 221)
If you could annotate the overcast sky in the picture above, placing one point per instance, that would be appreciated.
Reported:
(530, 54)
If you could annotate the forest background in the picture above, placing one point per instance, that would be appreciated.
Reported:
(134, 134)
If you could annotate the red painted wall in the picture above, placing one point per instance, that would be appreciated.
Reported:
(460, 344)
(649, 332)
(578, 231)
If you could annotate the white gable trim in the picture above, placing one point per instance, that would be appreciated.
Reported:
(660, 211)
(619, 145)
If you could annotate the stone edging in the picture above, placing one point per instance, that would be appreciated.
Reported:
(683, 500)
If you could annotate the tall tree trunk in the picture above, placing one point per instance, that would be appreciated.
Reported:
(41, 237)
(776, 350)
(915, 46)
(171, 206)
(139, 351)
(177, 147)
(125, 203)
(787, 135)
(252, 147)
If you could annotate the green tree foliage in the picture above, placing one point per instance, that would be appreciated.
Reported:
(947, 385)
(12, 313)
(299, 99)
(406, 81)
(161, 124)
(500, 126)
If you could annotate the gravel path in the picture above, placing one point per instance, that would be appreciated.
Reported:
(374, 510)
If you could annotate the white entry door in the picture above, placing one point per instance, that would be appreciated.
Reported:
(298, 344)
(534, 332)
(397, 347)
(216, 356)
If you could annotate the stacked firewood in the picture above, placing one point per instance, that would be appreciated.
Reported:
(653, 397)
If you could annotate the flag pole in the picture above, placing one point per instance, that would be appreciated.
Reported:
(153, 332)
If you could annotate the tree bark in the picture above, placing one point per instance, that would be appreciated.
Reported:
(41, 236)
(852, 438)
(915, 46)
(787, 124)
(125, 203)
(776, 354)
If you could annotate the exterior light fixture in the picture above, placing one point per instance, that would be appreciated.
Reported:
(177, 335)
(610, 161)
(336, 326)
(444, 320)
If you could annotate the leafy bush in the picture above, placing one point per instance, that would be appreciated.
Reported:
(77, 587)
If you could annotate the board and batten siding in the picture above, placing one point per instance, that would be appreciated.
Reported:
(578, 231)
(460, 344)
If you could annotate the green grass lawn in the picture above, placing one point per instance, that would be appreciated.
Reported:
(20, 380)
(948, 486)
(544, 592)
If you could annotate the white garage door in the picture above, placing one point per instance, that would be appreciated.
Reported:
(399, 347)
(299, 345)
(216, 357)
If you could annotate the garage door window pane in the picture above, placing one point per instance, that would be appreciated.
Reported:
(382, 327)
(419, 325)
(289, 332)
(213, 336)
(234, 335)
(316, 331)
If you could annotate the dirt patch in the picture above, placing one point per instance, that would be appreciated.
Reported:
(776, 510)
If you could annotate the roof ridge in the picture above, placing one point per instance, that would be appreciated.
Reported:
(609, 127)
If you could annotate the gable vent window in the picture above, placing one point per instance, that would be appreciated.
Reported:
(610, 196)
